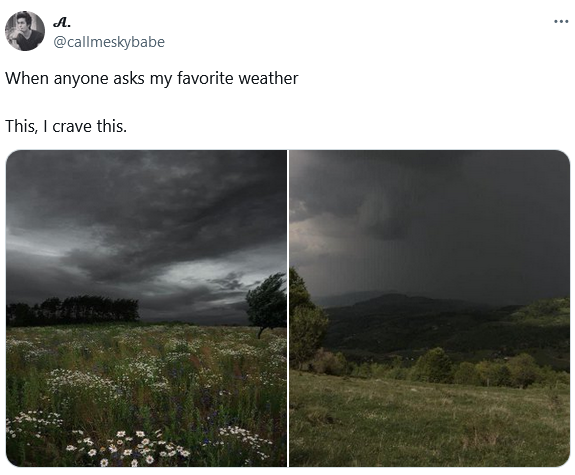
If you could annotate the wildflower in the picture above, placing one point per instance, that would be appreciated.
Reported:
(113, 448)
(120, 442)
(185, 453)
(140, 433)
(121, 433)
(92, 452)
(145, 441)
(163, 454)
(127, 452)
(172, 453)
(70, 448)
(104, 463)
(149, 460)
(134, 463)
(129, 439)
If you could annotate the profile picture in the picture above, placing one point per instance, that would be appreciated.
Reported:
(24, 31)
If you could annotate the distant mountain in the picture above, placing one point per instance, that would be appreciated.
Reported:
(398, 324)
(395, 303)
(349, 298)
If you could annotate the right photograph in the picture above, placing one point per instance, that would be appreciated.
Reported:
(429, 310)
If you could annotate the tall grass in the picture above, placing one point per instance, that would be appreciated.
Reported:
(336, 421)
(123, 394)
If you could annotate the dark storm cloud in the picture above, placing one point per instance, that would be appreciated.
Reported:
(230, 282)
(119, 221)
(491, 226)
(383, 192)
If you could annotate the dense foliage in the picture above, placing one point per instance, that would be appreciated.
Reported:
(308, 323)
(435, 366)
(307, 329)
(298, 294)
(80, 309)
(267, 303)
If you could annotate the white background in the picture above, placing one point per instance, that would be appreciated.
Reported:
(408, 74)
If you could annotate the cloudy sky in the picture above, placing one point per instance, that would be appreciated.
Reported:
(185, 233)
(488, 227)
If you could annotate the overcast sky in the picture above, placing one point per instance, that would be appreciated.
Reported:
(185, 233)
(488, 227)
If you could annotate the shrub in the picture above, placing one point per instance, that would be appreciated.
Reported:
(553, 379)
(433, 367)
(493, 373)
(523, 370)
(467, 373)
(326, 362)
(364, 370)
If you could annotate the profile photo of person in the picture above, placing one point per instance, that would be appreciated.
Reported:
(25, 31)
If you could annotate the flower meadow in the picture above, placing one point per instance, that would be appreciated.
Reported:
(138, 395)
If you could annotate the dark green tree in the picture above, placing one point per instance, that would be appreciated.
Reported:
(267, 303)
(493, 373)
(307, 328)
(79, 309)
(468, 374)
(308, 323)
(523, 370)
(433, 367)
(298, 294)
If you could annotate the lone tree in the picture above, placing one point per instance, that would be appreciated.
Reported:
(267, 304)
(308, 323)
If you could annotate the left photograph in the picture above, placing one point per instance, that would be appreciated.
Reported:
(146, 308)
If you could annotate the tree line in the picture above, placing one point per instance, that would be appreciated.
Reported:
(435, 366)
(79, 309)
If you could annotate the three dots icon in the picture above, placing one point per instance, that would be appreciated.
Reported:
(561, 21)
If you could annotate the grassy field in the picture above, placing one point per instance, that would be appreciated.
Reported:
(337, 421)
(145, 395)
